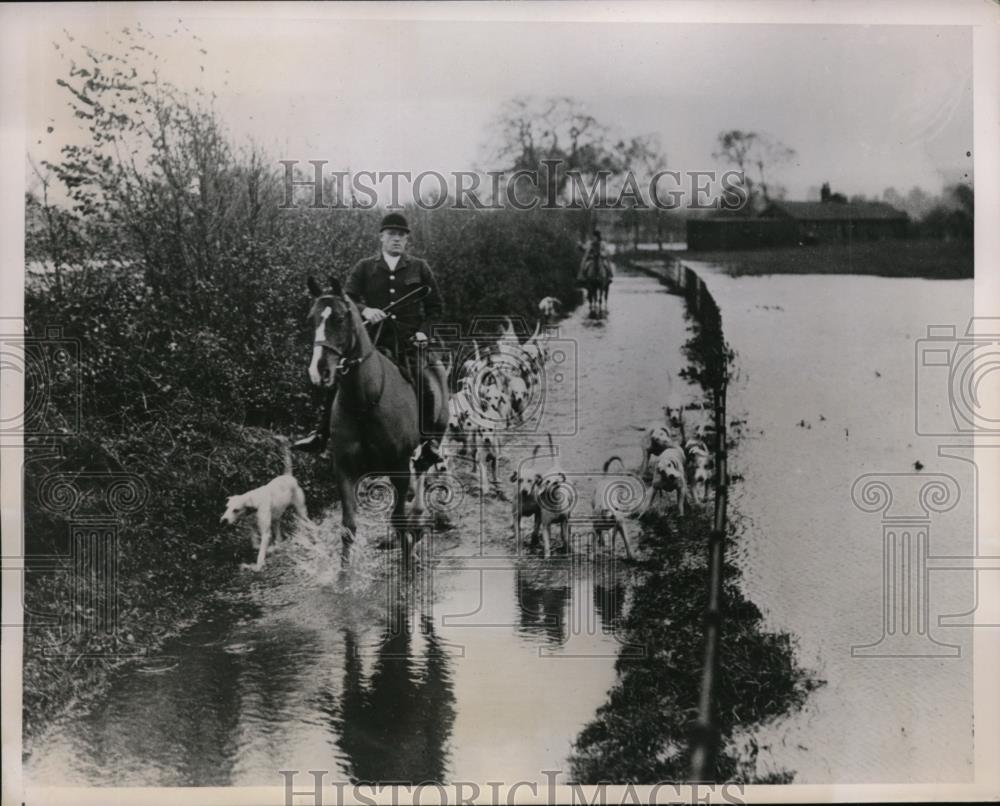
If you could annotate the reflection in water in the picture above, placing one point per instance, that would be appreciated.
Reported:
(542, 595)
(609, 599)
(186, 726)
(555, 599)
(395, 727)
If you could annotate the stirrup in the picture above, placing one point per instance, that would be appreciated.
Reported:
(313, 443)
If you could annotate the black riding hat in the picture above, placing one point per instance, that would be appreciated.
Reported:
(394, 221)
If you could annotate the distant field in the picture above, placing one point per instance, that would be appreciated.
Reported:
(897, 258)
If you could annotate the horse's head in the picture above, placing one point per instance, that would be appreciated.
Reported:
(335, 324)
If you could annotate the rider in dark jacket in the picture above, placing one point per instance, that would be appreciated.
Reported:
(375, 283)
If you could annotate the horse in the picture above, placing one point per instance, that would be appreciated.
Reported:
(374, 423)
(595, 273)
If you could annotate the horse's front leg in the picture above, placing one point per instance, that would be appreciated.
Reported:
(348, 504)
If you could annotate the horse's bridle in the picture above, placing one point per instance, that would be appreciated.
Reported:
(346, 364)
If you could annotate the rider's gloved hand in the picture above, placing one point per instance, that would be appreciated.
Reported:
(373, 315)
(420, 337)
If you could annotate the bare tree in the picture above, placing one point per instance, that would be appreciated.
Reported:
(757, 155)
(529, 131)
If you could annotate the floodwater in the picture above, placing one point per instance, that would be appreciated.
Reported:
(830, 389)
(484, 668)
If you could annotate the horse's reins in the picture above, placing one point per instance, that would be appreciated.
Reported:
(345, 365)
(414, 296)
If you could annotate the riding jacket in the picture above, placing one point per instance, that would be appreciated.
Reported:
(371, 283)
(594, 260)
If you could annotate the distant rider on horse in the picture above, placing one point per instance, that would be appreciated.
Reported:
(375, 283)
(595, 259)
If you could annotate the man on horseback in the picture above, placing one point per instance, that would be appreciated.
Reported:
(595, 273)
(373, 285)
(595, 260)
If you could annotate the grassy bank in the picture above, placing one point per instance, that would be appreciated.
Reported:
(642, 733)
(937, 260)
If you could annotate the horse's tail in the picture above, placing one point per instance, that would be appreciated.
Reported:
(286, 455)
(607, 464)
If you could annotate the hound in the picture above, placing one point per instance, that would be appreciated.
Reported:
(424, 460)
(486, 455)
(700, 468)
(655, 440)
(549, 308)
(508, 342)
(673, 414)
(270, 503)
(522, 504)
(605, 516)
(472, 365)
(426, 457)
(670, 475)
(550, 511)
(548, 500)
(518, 391)
(659, 436)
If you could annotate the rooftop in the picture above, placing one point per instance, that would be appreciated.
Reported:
(834, 211)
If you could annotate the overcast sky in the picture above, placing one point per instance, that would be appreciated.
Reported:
(865, 107)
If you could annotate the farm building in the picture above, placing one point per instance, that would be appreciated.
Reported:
(830, 221)
(787, 223)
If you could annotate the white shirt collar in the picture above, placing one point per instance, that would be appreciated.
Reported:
(391, 260)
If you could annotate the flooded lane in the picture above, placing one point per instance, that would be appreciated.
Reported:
(486, 668)
(826, 382)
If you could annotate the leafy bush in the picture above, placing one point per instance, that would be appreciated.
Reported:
(182, 279)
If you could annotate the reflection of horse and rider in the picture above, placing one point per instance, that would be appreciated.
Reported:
(595, 273)
(394, 724)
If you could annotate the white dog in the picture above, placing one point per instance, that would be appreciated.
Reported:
(604, 515)
(549, 308)
(270, 503)
(539, 493)
(701, 467)
(522, 504)
(670, 475)
(655, 440)
(552, 503)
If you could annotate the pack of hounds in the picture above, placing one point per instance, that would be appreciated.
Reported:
(493, 391)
